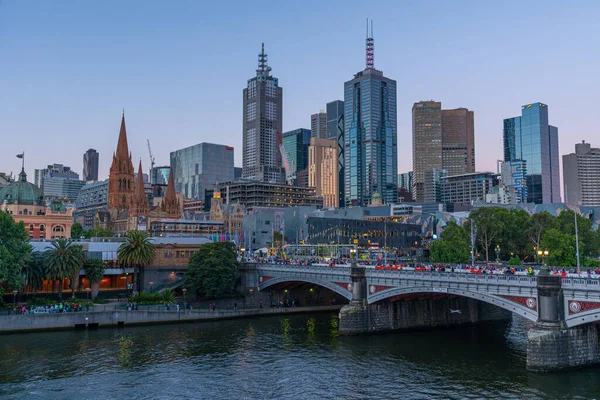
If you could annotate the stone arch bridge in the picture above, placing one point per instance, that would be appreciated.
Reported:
(563, 311)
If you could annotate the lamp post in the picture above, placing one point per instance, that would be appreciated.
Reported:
(87, 294)
(497, 253)
(151, 285)
(15, 298)
(251, 290)
(184, 303)
(543, 254)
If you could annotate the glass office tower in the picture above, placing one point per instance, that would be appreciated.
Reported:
(335, 131)
(295, 144)
(531, 139)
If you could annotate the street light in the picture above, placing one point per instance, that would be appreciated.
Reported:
(151, 285)
(15, 298)
(184, 303)
(497, 253)
(251, 298)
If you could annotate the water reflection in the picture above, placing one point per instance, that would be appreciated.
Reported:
(296, 357)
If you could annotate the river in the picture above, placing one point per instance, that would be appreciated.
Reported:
(280, 357)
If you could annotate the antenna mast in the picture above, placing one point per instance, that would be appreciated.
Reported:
(370, 47)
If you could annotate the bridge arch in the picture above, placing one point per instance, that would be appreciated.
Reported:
(498, 301)
(326, 284)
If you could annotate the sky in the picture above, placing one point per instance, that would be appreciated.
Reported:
(178, 68)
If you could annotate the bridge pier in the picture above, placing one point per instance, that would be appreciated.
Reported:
(551, 345)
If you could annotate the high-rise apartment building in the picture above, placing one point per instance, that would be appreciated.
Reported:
(581, 176)
(90, 165)
(323, 170)
(199, 167)
(295, 145)
(318, 125)
(335, 131)
(531, 139)
(458, 141)
(370, 135)
(263, 105)
(427, 143)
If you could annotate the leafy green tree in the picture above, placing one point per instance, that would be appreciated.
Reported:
(94, 271)
(452, 246)
(212, 270)
(515, 261)
(537, 225)
(489, 225)
(588, 245)
(14, 252)
(97, 232)
(137, 252)
(560, 246)
(64, 259)
(513, 238)
(77, 231)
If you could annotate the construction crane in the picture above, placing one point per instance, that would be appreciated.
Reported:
(151, 161)
(290, 176)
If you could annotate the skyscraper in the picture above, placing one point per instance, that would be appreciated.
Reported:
(322, 170)
(581, 176)
(90, 165)
(263, 102)
(295, 145)
(318, 125)
(335, 131)
(458, 141)
(370, 135)
(531, 139)
(427, 143)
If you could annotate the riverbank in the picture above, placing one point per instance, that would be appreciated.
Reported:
(121, 318)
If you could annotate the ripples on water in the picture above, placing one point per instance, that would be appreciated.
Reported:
(295, 357)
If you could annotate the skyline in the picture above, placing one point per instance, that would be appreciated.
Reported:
(178, 70)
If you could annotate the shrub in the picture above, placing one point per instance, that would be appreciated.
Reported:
(145, 298)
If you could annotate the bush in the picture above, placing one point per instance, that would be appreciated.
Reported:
(149, 299)
(514, 261)
(101, 301)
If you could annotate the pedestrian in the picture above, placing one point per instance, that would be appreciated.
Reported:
(235, 305)
(177, 307)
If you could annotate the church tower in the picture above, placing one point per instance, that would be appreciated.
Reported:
(170, 203)
(139, 203)
(216, 204)
(120, 183)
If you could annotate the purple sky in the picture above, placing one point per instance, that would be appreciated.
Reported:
(178, 69)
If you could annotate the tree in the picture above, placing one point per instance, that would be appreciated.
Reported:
(565, 222)
(452, 246)
(514, 261)
(97, 232)
(77, 231)
(513, 238)
(35, 271)
(137, 252)
(212, 270)
(64, 259)
(560, 246)
(14, 252)
(94, 271)
(537, 225)
(489, 225)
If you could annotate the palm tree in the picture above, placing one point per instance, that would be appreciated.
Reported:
(35, 271)
(94, 271)
(63, 259)
(137, 251)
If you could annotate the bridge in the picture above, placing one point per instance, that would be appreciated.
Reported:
(563, 310)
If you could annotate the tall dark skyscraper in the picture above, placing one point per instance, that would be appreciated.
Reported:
(263, 103)
(318, 125)
(370, 135)
(531, 139)
(458, 141)
(90, 165)
(335, 131)
(427, 143)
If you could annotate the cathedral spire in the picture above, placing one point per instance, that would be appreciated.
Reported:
(122, 147)
(139, 184)
(140, 201)
(170, 203)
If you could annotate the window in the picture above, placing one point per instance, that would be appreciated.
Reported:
(30, 228)
(271, 111)
(251, 111)
(42, 228)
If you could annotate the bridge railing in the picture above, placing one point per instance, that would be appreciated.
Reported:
(456, 277)
(588, 283)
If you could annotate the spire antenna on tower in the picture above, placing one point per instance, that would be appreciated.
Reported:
(262, 59)
(370, 47)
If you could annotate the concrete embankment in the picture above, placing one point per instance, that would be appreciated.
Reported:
(119, 318)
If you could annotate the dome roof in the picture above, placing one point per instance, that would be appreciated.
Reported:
(22, 192)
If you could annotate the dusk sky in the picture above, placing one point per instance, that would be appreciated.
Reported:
(68, 68)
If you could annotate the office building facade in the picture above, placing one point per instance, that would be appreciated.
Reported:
(295, 146)
(90, 165)
(370, 136)
(460, 191)
(458, 141)
(92, 198)
(433, 184)
(318, 125)
(530, 138)
(323, 170)
(53, 171)
(427, 143)
(335, 131)
(262, 119)
(581, 176)
(197, 168)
